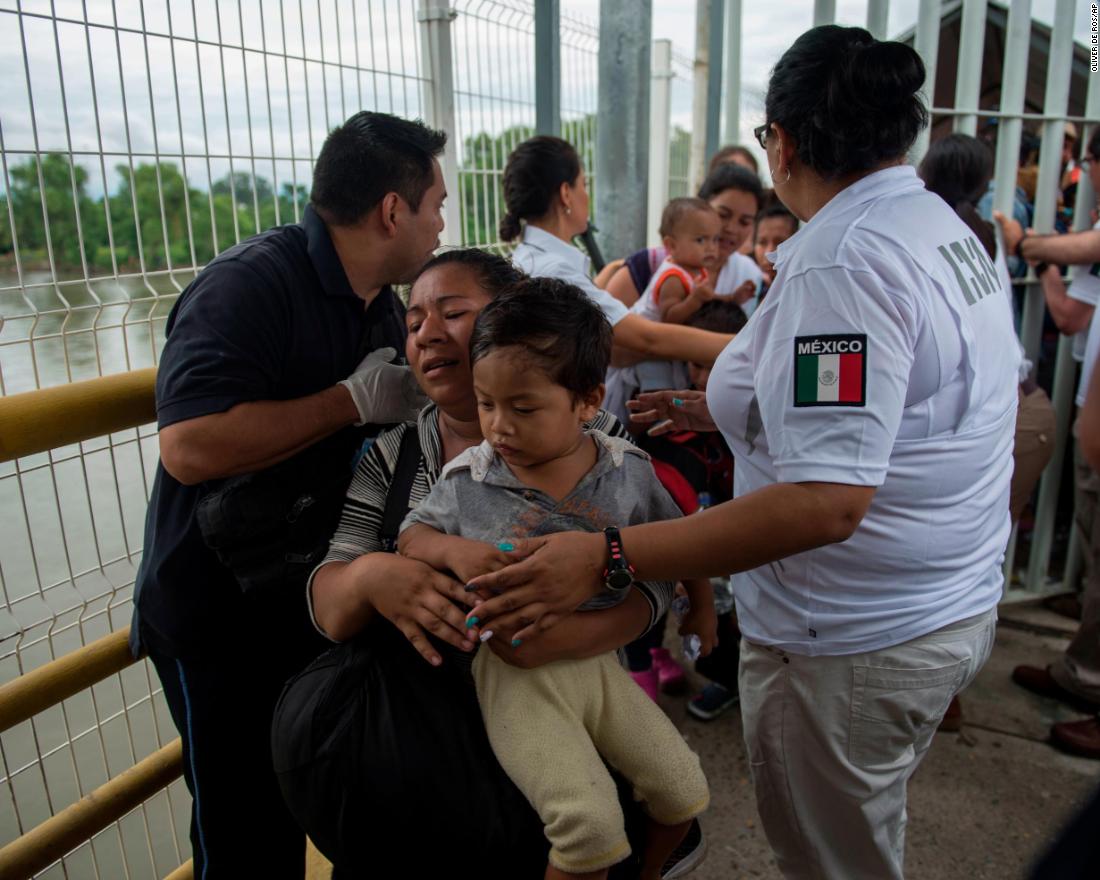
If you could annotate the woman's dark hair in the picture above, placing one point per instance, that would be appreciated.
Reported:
(726, 154)
(730, 176)
(957, 168)
(561, 329)
(850, 102)
(494, 272)
(533, 174)
(368, 156)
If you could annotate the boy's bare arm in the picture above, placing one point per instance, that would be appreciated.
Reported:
(425, 544)
(677, 305)
(462, 557)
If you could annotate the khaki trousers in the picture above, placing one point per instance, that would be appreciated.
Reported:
(832, 742)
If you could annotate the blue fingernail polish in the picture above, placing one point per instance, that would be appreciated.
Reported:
(471, 587)
(506, 546)
(517, 642)
(472, 621)
(676, 401)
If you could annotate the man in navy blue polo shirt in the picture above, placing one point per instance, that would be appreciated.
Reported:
(276, 349)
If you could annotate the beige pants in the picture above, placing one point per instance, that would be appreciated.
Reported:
(549, 728)
(832, 742)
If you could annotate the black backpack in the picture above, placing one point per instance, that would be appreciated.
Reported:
(384, 760)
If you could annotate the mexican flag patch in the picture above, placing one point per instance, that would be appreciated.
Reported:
(830, 370)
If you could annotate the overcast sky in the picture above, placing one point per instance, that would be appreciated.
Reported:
(270, 113)
(766, 33)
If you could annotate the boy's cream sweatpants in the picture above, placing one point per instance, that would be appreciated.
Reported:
(549, 728)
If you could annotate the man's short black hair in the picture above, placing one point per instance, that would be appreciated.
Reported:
(562, 330)
(368, 156)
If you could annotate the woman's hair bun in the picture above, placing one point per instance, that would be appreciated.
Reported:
(849, 101)
(885, 73)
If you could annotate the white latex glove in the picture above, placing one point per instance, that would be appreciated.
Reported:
(384, 392)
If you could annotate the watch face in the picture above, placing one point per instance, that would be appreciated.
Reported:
(619, 579)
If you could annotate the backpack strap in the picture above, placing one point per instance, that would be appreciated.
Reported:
(397, 499)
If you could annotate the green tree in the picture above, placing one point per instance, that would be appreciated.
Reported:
(64, 195)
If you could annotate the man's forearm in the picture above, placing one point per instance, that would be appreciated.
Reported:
(1071, 315)
(252, 436)
(1071, 249)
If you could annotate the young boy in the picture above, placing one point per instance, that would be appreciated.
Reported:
(774, 225)
(539, 354)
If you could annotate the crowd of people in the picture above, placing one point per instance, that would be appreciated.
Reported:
(428, 598)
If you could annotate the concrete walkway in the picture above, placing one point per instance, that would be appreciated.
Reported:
(985, 802)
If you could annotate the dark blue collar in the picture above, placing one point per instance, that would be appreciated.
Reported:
(323, 256)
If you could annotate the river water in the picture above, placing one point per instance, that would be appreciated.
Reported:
(70, 539)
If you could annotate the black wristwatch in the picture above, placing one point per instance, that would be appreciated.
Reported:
(619, 574)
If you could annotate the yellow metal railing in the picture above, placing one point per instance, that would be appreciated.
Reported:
(39, 421)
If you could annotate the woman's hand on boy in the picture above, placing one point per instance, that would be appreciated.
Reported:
(559, 573)
(417, 599)
(671, 411)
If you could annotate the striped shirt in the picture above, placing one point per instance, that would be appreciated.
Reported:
(359, 531)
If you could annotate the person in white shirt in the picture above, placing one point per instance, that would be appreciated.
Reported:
(546, 204)
(735, 193)
(870, 405)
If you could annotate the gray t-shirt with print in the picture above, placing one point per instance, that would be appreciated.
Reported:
(478, 497)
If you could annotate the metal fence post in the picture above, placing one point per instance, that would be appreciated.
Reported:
(878, 15)
(622, 137)
(1055, 104)
(927, 43)
(1013, 80)
(701, 81)
(435, 17)
(714, 75)
(660, 125)
(968, 79)
(824, 12)
(733, 72)
(548, 67)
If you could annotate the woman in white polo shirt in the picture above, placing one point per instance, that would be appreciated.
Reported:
(870, 405)
(544, 187)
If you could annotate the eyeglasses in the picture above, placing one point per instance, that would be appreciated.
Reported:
(761, 134)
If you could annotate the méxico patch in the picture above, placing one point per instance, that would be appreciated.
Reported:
(830, 370)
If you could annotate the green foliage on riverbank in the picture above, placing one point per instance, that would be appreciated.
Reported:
(148, 215)
(157, 215)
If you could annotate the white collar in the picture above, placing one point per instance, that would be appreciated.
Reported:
(480, 460)
(550, 244)
(893, 181)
